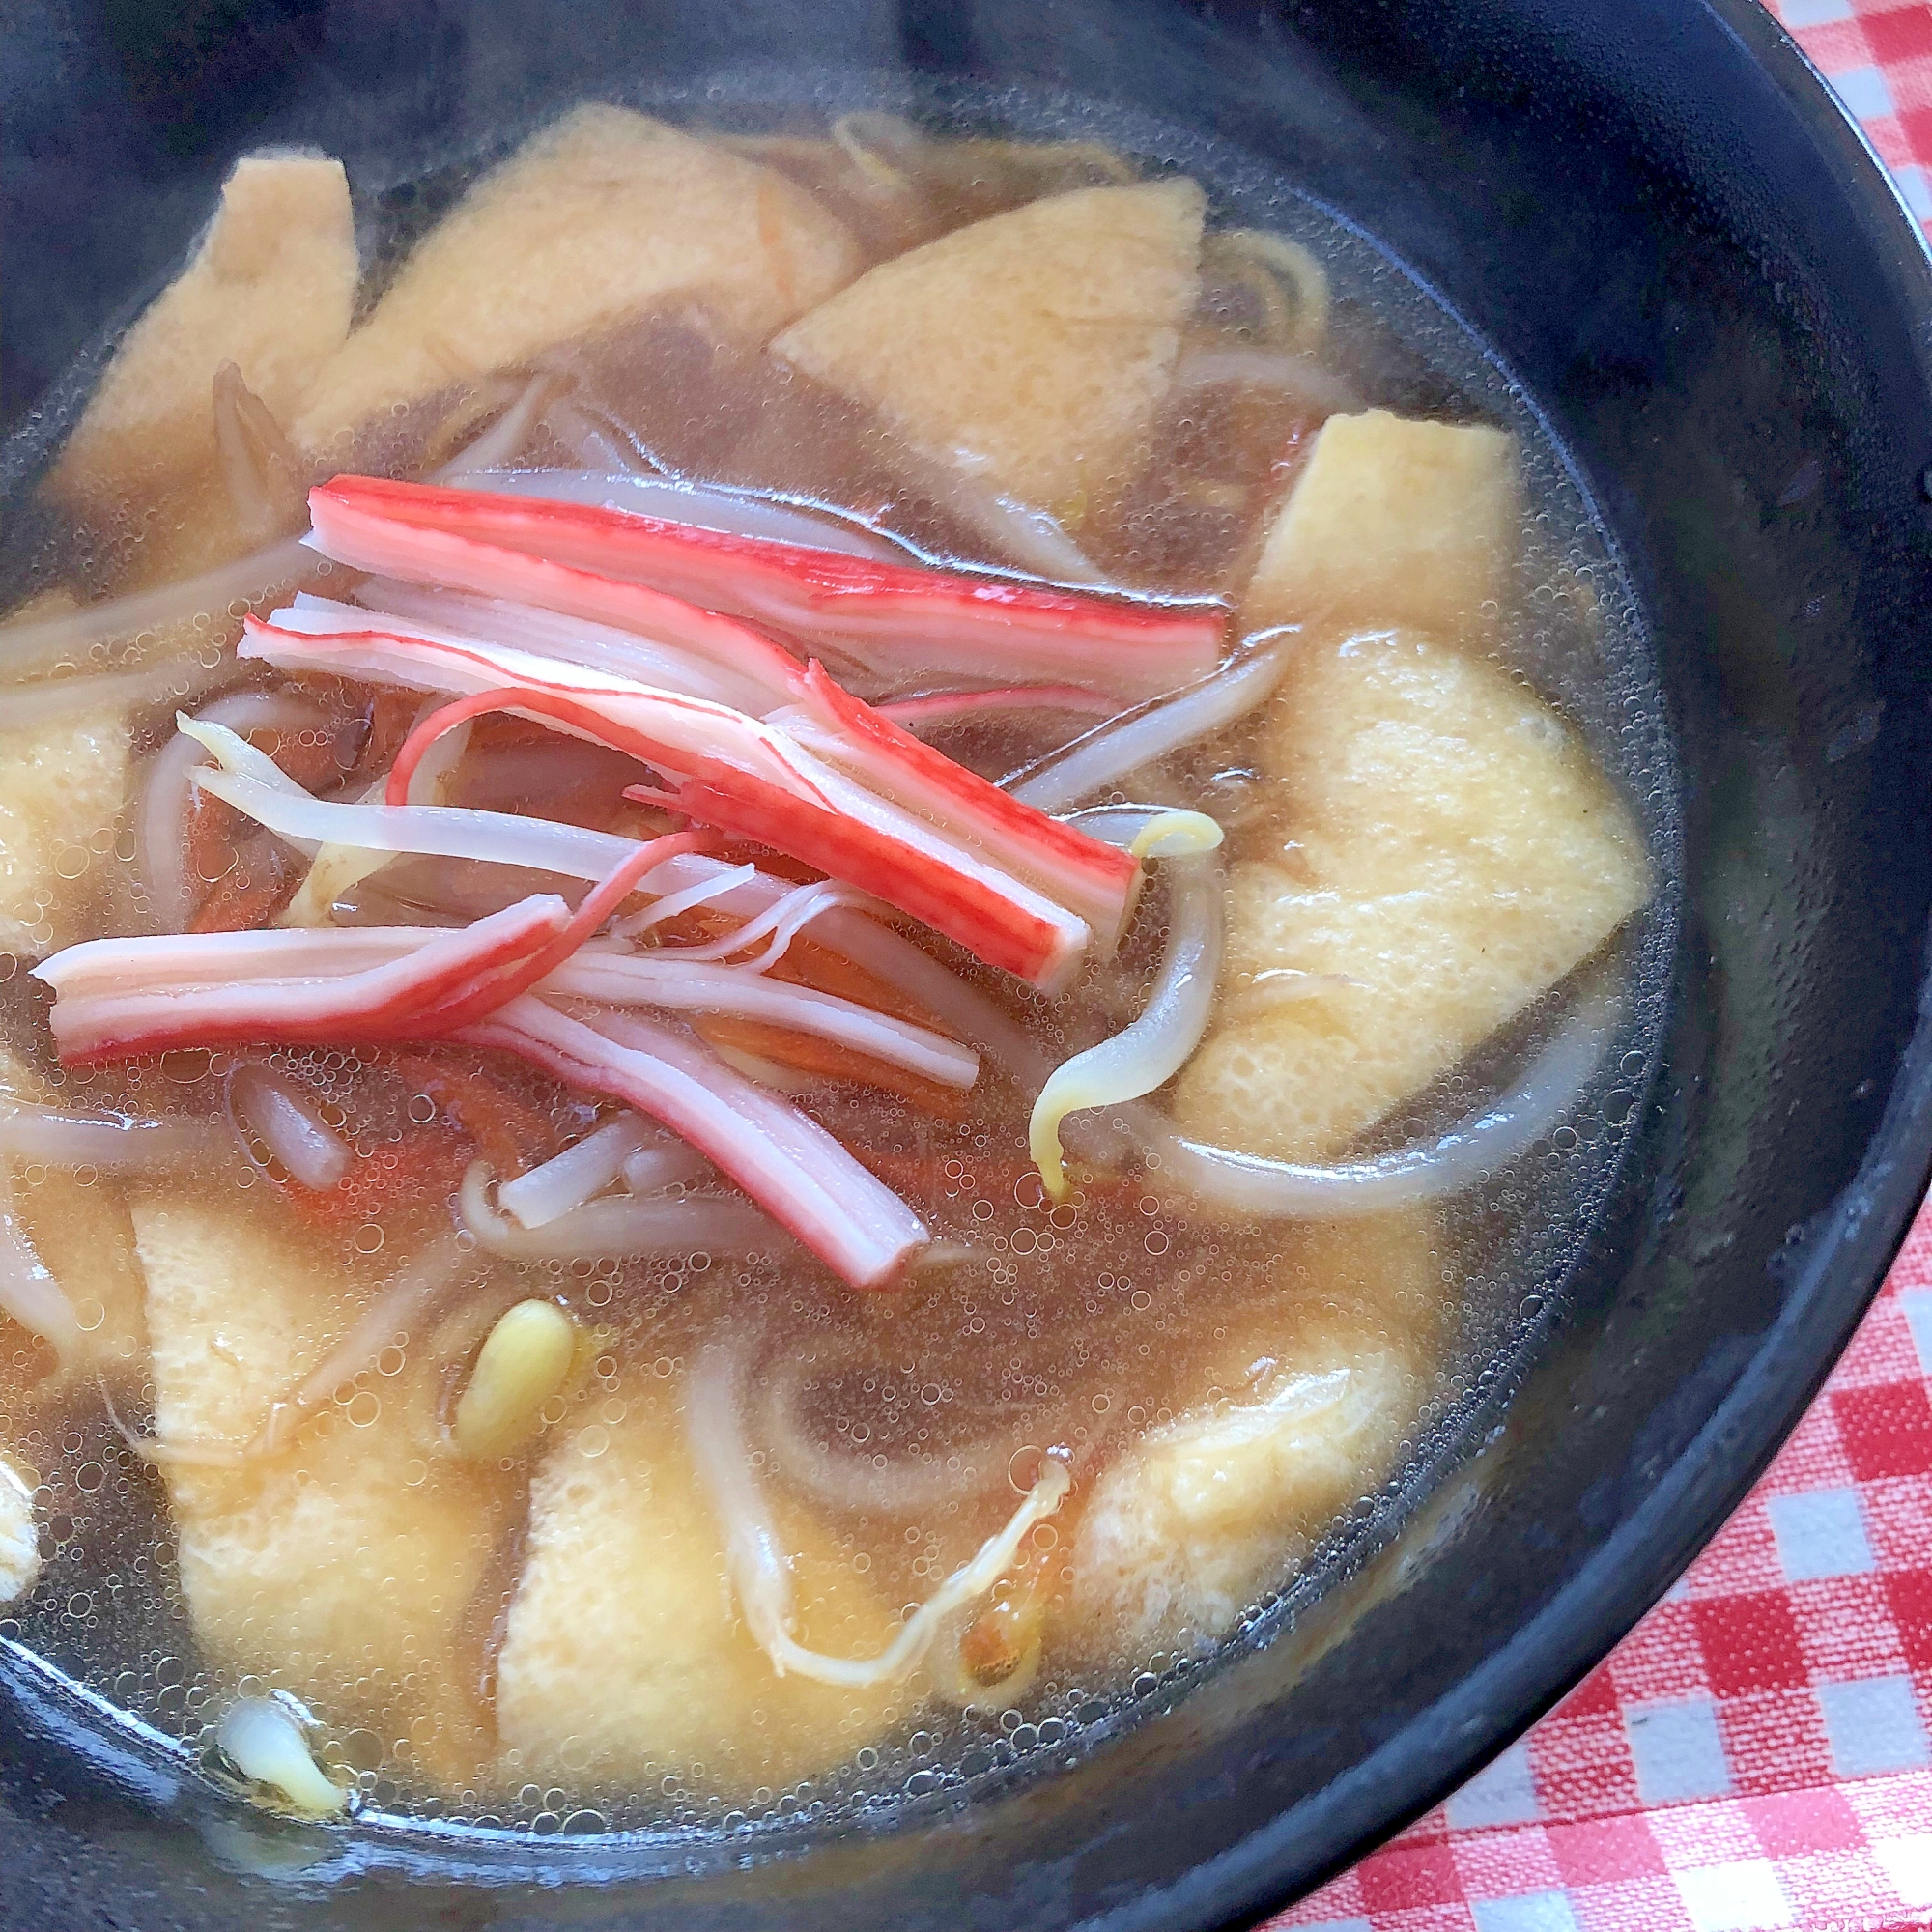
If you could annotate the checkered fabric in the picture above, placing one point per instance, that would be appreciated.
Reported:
(1754, 1755)
(1878, 55)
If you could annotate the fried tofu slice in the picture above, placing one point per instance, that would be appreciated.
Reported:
(20, 1537)
(62, 788)
(1393, 522)
(1029, 350)
(601, 220)
(1316, 1391)
(270, 288)
(345, 1570)
(626, 1658)
(80, 1230)
(1444, 844)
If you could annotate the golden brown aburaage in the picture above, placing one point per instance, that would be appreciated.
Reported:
(970, 342)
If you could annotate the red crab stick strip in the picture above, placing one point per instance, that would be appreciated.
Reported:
(1097, 881)
(898, 616)
(357, 528)
(728, 771)
(788, 1164)
(198, 990)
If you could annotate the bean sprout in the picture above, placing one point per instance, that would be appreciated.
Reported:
(160, 825)
(1113, 752)
(272, 1109)
(760, 1571)
(1149, 1052)
(621, 1228)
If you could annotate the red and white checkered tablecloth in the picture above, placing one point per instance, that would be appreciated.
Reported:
(1755, 1754)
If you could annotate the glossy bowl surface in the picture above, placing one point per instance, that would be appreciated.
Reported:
(1681, 252)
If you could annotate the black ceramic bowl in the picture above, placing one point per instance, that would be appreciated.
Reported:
(1669, 237)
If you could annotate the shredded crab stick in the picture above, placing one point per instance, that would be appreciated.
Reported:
(728, 771)
(452, 617)
(787, 1163)
(668, 981)
(897, 617)
(1095, 880)
(350, 530)
(316, 989)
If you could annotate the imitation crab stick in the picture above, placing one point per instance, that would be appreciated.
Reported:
(405, 984)
(117, 998)
(354, 530)
(784, 1161)
(738, 774)
(897, 617)
(1094, 879)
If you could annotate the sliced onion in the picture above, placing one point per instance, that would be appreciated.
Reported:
(601, 445)
(160, 822)
(277, 1112)
(623, 1228)
(1302, 378)
(217, 595)
(1105, 756)
(1154, 1048)
(259, 469)
(761, 1570)
(1031, 538)
(29, 1291)
(705, 506)
(502, 441)
(853, 1482)
(113, 1142)
(1487, 1141)
(578, 1174)
(179, 680)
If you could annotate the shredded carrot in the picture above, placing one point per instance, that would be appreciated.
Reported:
(507, 1132)
(426, 1167)
(806, 1053)
(253, 889)
(806, 963)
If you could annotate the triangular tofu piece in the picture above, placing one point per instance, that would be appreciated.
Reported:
(1029, 350)
(626, 1660)
(1445, 840)
(347, 1570)
(601, 220)
(78, 1225)
(1314, 1390)
(62, 787)
(1393, 522)
(270, 289)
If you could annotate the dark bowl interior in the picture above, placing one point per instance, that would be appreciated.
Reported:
(1677, 247)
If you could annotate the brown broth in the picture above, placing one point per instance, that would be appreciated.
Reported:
(893, 1426)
